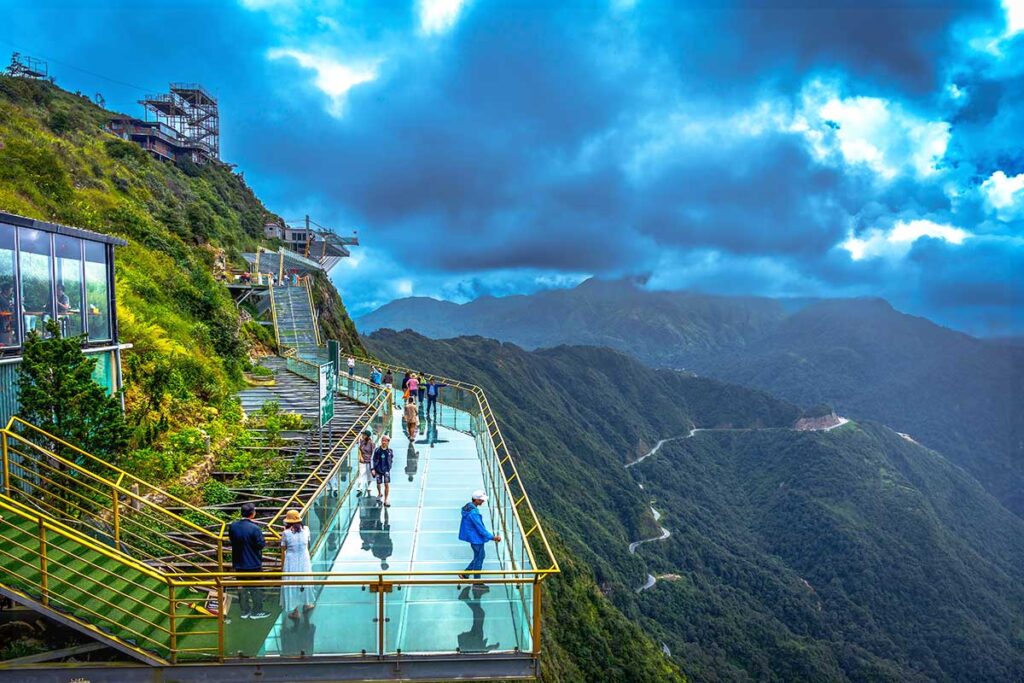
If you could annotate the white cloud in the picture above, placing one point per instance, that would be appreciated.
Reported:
(869, 131)
(1014, 16)
(1004, 194)
(896, 242)
(404, 287)
(333, 78)
(438, 16)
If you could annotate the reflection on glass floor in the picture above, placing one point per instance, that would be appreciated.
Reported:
(432, 479)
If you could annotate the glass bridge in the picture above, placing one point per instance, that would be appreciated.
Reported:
(389, 601)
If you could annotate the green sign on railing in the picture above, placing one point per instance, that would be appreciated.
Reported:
(328, 385)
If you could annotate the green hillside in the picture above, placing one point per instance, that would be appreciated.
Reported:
(847, 555)
(191, 344)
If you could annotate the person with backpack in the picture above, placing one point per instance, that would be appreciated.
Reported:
(473, 531)
(380, 468)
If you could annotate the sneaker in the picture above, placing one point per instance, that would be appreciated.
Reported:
(387, 504)
(380, 498)
(259, 615)
(464, 577)
(247, 616)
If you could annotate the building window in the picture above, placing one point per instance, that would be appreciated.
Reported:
(69, 284)
(36, 284)
(8, 289)
(97, 291)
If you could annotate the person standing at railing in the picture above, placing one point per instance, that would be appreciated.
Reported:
(366, 449)
(295, 548)
(375, 376)
(473, 531)
(380, 468)
(433, 392)
(351, 366)
(247, 556)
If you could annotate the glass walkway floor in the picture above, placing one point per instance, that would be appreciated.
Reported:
(432, 478)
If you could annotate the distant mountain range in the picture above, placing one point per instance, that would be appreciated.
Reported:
(952, 392)
(848, 555)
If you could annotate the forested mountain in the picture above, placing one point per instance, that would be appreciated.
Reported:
(853, 554)
(662, 329)
(950, 391)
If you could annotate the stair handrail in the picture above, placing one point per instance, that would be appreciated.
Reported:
(306, 281)
(121, 489)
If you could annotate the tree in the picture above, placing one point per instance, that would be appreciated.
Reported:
(58, 394)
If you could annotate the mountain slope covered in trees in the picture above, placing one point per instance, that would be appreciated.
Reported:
(852, 554)
(952, 392)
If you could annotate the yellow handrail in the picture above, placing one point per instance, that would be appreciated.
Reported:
(498, 442)
(306, 281)
(120, 495)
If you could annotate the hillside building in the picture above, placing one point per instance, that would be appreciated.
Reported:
(48, 272)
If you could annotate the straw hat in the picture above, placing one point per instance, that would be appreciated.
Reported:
(292, 517)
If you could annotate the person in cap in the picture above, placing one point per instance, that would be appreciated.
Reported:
(295, 549)
(473, 531)
(380, 468)
(366, 449)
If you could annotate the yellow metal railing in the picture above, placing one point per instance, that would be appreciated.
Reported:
(501, 466)
(307, 283)
(67, 483)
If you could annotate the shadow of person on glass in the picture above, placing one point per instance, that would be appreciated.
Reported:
(297, 637)
(473, 640)
(368, 516)
(412, 461)
(383, 546)
(431, 437)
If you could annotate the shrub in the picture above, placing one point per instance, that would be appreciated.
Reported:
(216, 493)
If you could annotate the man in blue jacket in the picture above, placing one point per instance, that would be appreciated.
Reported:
(247, 556)
(380, 469)
(473, 531)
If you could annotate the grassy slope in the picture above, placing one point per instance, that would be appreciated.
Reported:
(57, 164)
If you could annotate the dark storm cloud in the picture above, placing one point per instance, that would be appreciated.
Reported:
(535, 142)
(902, 42)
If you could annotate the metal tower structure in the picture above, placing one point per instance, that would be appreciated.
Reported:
(26, 67)
(192, 112)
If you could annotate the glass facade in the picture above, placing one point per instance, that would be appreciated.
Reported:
(46, 276)
(69, 284)
(36, 283)
(97, 291)
(9, 335)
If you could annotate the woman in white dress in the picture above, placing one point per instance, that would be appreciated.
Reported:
(295, 547)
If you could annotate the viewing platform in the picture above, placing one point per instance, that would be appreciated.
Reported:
(385, 581)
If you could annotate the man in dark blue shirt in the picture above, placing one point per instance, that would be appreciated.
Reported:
(247, 556)
(380, 469)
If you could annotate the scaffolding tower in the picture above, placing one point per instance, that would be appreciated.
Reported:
(23, 66)
(191, 111)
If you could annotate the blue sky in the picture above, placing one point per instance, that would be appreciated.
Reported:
(797, 149)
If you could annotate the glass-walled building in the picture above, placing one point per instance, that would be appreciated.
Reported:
(55, 272)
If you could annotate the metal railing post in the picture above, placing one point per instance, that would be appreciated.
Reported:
(7, 467)
(222, 609)
(44, 583)
(536, 617)
(117, 516)
(172, 627)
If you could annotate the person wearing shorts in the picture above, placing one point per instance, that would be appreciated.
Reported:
(380, 468)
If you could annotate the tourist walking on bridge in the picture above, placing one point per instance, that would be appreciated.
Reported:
(380, 468)
(412, 419)
(365, 457)
(295, 548)
(433, 391)
(247, 556)
(473, 531)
